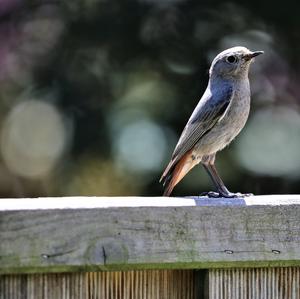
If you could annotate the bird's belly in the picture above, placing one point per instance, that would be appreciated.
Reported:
(226, 129)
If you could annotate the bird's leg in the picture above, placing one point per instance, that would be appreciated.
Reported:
(223, 191)
(209, 166)
(206, 162)
(211, 193)
(221, 188)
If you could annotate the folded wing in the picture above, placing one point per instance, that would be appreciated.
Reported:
(207, 113)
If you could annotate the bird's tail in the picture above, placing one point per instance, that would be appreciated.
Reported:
(175, 171)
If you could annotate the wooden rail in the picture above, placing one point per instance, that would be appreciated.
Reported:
(76, 234)
(231, 238)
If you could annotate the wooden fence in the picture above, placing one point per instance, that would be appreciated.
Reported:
(146, 248)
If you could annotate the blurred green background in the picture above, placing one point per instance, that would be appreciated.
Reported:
(94, 94)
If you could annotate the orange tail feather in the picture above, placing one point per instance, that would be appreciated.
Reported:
(182, 167)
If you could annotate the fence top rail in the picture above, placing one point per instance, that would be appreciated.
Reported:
(94, 202)
(71, 234)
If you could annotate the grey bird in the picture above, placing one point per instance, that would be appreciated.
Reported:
(217, 119)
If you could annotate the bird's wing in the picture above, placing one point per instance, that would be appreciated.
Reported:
(208, 112)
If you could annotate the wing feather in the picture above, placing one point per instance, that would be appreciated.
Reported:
(207, 113)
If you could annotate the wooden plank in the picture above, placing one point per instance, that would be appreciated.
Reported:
(263, 283)
(92, 202)
(146, 284)
(76, 234)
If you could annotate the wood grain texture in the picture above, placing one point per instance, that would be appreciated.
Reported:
(208, 234)
(147, 284)
(262, 283)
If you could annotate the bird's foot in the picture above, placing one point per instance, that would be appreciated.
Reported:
(235, 195)
(213, 194)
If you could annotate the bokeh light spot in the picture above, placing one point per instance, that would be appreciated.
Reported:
(270, 143)
(141, 146)
(33, 138)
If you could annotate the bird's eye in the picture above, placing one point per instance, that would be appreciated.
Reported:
(231, 59)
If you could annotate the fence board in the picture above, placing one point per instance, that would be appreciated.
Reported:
(144, 284)
(60, 235)
(261, 283)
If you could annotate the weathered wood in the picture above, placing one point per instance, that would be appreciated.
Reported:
(263, 283)
(147, 284)
(76, 234)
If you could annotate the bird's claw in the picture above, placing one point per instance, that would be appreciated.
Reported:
(235, 195)
(213, 194)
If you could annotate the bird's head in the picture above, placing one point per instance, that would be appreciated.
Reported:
(233, 63)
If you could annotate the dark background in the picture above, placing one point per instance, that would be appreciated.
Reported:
(94, 94)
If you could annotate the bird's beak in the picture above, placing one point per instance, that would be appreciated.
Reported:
(251, 55)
